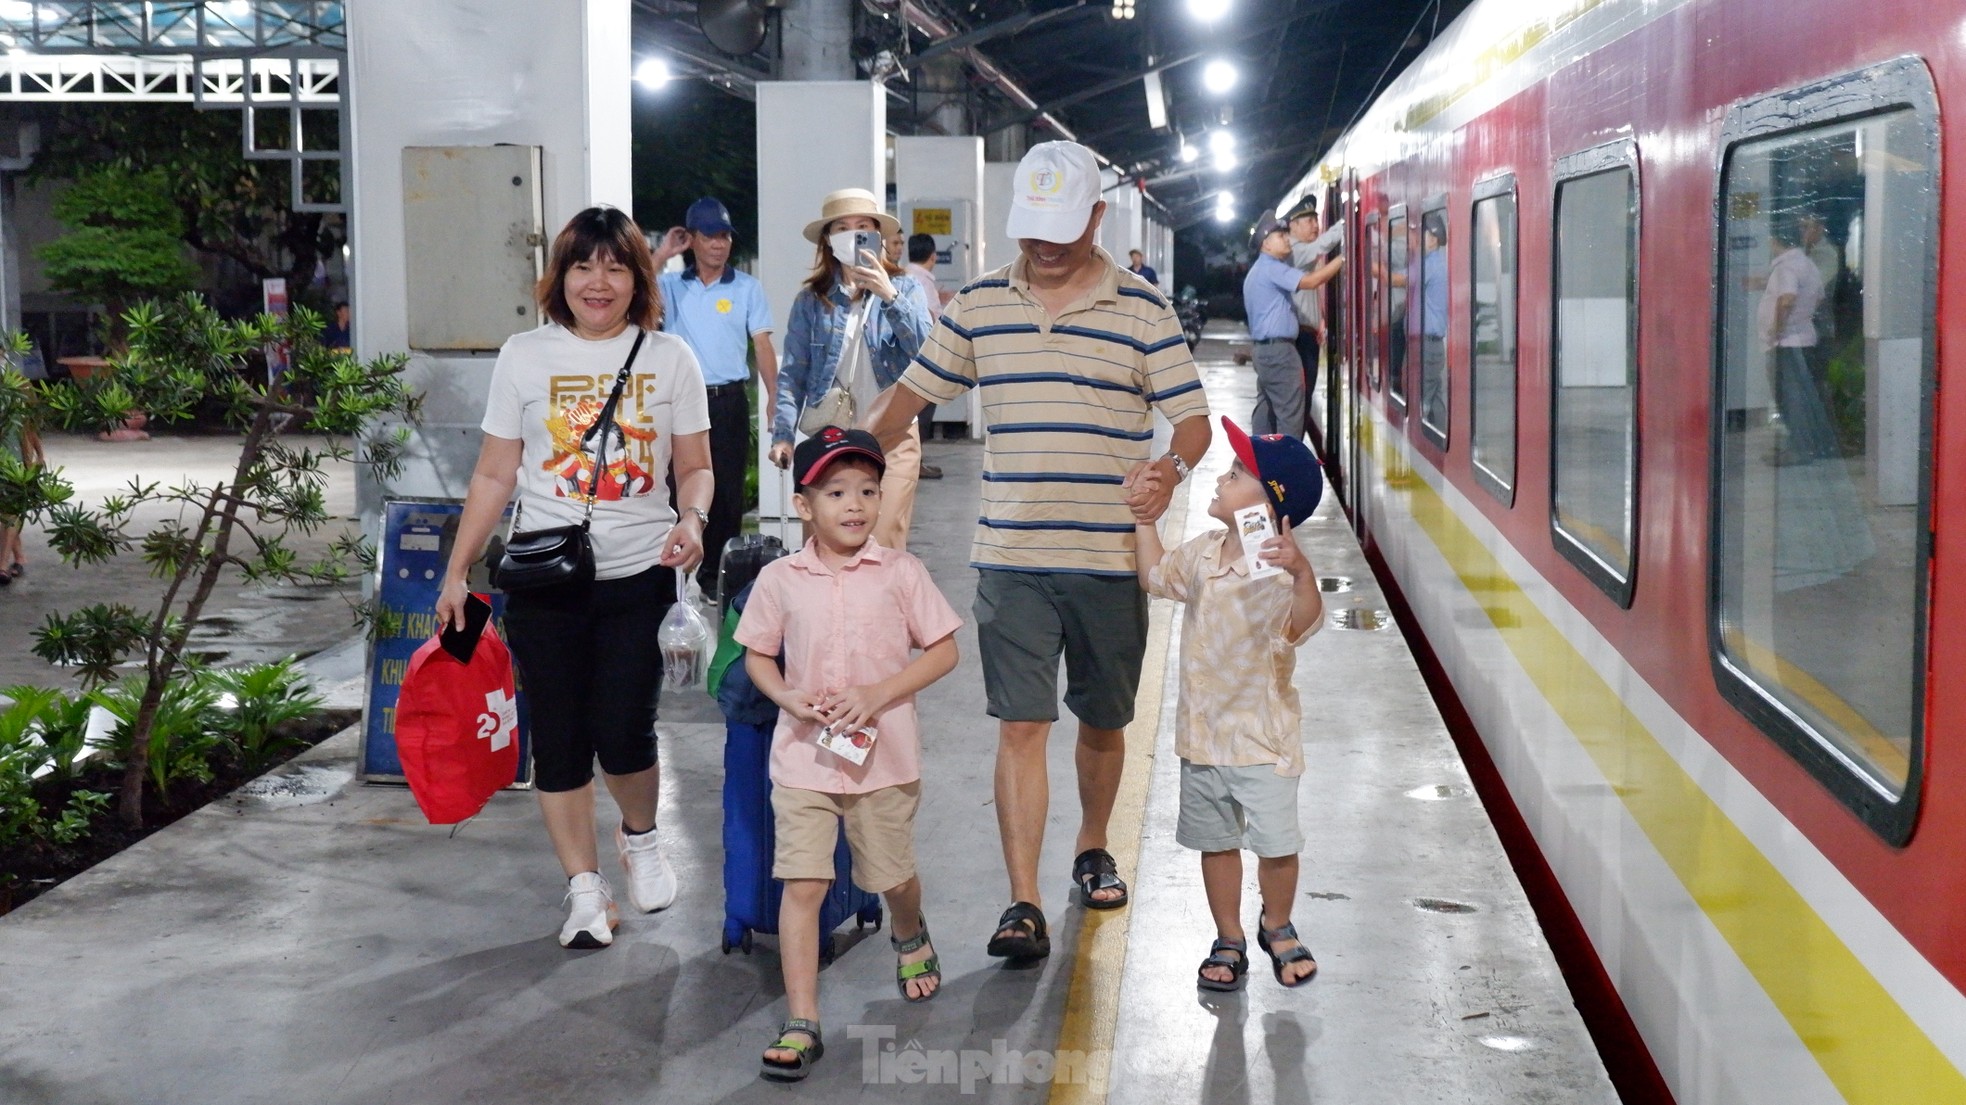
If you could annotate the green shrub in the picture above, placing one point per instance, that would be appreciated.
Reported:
(265, 699)
(185, 732)
(23, 754)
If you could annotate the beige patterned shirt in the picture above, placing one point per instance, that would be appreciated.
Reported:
(1238, 707)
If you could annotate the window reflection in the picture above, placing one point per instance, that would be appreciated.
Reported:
(1824, 367)
(1396, 281)
(1493, 338)
(1433, 324)
(1596, 416)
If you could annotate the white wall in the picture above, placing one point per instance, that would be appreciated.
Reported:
(936, 168)
(814, 137)
(472, 73)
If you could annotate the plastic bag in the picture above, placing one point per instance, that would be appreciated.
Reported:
(685, 641)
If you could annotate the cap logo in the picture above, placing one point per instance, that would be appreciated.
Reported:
(1276, 488)
(1046, 181)
(832, 433)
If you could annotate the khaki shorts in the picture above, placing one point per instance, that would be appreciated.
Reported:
(880, 832)
(1226, 808)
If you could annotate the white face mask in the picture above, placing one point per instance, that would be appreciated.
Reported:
(842, 246)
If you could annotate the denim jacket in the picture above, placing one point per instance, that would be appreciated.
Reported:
(812, 345)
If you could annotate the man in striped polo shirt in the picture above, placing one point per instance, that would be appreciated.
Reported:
(1073, 355)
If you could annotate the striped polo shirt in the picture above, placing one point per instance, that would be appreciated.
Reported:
(1068, 405)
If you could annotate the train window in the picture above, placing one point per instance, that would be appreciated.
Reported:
(1491, 334)
(1375, 297)
(1594, 408)
(1822, 425)
(1396, 281)
(1433, 321)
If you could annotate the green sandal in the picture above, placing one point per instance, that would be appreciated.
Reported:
(781, 1070)
(904, 973)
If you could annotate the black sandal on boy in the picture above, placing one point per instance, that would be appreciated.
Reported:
(1219, 956)
(1300, 953)
(808, 1050)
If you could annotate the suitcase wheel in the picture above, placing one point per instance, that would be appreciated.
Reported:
(746, 943)
(725, 942)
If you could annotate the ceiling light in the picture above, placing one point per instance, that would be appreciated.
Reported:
(1208, 11)
(1225, 198)
(1225, 215)
(1221, 141)
(652, 73)
(1225, 160)
(1188, 154)
(1218, 76)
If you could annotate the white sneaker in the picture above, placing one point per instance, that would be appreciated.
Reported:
(590, 912)
(651, 884)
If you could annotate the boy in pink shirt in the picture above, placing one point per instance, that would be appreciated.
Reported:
(845, 613)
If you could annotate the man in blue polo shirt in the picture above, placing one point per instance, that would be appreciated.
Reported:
(1266, 293)
(721, 313)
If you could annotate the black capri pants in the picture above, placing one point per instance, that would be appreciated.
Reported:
(592, 672)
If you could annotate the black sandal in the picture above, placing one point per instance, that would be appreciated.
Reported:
(1033, 943)
(930, 968)
(1297, 954)
(1238, 967)
(782, 1070)
(1095, 870)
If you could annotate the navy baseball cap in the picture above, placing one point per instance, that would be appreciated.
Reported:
(1283, 464)
(707, 216)
(831, 443)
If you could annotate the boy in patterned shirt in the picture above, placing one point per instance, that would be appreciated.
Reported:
(1240, 746)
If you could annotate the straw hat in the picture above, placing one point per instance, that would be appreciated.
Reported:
(850, 201)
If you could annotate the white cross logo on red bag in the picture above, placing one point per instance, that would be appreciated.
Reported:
(500, 720)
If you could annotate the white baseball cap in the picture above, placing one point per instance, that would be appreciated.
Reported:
(1053, 193)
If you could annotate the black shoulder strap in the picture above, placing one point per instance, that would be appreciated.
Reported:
(601, 425)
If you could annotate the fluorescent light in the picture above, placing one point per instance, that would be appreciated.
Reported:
(1208, 11)
(652, 73)
(1218, 76)
(1156, 103)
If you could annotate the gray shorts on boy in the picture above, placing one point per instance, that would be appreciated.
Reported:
(1227, 808)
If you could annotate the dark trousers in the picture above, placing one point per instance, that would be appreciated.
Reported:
(1307, 351)
(593, 673)
(730, 457)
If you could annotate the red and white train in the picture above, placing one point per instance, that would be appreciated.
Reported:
(1643, 392)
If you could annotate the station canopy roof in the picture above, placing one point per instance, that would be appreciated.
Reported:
(1303, 69)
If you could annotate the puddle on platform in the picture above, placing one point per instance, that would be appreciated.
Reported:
(1443, 905)
(1438, 793)
(1509, 1043)
(1332, 585)
(1358, 617)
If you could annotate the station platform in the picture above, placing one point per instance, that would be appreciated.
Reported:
(312, 940)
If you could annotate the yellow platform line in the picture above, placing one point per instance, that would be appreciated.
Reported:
(1085, 1033)
(1871, 1049)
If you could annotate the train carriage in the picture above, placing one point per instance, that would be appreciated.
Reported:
(1638, 399)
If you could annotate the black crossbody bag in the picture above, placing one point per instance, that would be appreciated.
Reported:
(564, 554)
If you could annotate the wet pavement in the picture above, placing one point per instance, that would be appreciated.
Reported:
(246, 623)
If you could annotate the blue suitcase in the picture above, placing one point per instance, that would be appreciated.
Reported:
(750, 893)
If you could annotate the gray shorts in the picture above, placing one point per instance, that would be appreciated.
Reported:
(1226, 808)
(1026, 620)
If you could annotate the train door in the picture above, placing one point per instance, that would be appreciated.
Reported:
(1334, 369)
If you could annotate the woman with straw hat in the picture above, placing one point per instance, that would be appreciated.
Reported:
(896, 322)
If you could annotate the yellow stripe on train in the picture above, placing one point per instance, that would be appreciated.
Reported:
(1871, 1049)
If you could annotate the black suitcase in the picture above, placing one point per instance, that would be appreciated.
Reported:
(744, 556)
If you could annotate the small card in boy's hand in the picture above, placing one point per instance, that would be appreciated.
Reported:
(1253, 524)
(852, 746)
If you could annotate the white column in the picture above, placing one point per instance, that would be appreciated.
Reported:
(999, 248)
(472, 73)
(814, 137)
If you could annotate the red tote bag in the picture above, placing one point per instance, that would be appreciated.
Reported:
(457, 728)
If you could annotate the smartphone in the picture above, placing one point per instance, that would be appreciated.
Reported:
(461, 643)
(867, 242)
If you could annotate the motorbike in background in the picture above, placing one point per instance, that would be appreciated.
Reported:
(1188, 309)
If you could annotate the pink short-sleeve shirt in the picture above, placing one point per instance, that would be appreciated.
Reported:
(844, 629)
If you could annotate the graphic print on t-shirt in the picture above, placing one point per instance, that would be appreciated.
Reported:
(630, 447)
